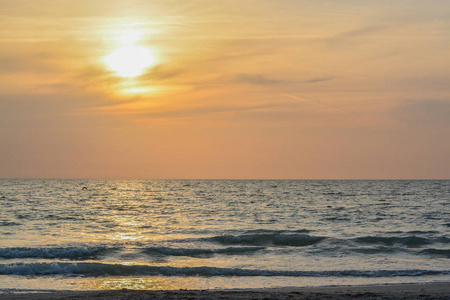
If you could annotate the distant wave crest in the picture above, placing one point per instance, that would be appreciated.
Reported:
(9, 223)
(52, 253)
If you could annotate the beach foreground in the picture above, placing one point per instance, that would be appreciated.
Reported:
(403, 291)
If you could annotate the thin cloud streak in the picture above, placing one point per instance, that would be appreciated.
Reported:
(315, 103)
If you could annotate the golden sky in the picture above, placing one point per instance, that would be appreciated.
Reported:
(225, 89)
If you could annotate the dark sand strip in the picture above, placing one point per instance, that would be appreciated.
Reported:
(402, 291)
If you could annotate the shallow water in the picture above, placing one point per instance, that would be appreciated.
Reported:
(167, 234)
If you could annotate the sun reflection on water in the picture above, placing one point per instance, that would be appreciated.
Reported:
(138, 283)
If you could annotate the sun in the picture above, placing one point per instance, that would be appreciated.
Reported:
(130, 61)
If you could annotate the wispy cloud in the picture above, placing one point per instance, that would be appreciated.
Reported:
(263, 80)
(360, 32)
(258, 79)
(318, 103)
(204, 110)
(318, 79)
(424, 113)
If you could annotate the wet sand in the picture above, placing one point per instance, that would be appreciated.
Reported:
(402, 291)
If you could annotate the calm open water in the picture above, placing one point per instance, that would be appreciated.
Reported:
(171, 234)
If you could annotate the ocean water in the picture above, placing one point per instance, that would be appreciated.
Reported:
(207, 234)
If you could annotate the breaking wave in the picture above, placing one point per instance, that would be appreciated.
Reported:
(408, 241)
(193, 252)
(283, 239)
(100, 269)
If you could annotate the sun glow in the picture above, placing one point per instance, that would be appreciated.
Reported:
(130, 61)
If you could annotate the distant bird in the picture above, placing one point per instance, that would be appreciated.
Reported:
(84, 188)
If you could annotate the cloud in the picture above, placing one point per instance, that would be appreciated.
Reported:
(24, 61)
(424, 113)
(318, 79)
(203, 110)
(354, 38)
(258, 79)
(360, 32)
(161, 72)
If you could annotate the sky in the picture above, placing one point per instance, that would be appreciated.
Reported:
(253, 89)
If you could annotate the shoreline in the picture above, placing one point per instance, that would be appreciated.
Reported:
(389, 291)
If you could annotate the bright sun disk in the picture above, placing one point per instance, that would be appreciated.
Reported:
(130, 61)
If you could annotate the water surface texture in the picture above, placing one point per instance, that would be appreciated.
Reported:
(169, 234)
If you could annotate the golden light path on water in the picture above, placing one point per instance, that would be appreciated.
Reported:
(180, 282)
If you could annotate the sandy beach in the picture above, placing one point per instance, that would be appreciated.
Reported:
(403, 291)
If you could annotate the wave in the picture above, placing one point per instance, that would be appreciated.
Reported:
(244, 244)
(271, 238)
(52, 253)
(70, 218)
(408, 241)
(9, 223)
(194, 252)
(430, 252)
(377, 250)
(100, 269)
(436, 252)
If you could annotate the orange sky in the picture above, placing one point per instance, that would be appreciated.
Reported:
(236, 89)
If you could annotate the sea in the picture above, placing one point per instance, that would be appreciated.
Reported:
(65, 234)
